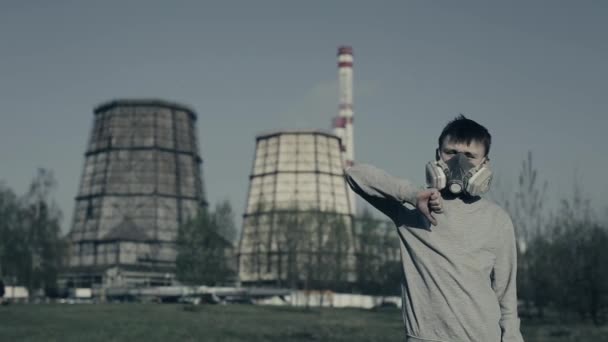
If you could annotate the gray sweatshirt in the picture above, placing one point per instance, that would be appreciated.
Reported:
(459, 275)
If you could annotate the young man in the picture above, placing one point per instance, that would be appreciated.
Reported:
(457, 249)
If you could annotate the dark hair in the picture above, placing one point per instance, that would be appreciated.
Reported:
(463, 130)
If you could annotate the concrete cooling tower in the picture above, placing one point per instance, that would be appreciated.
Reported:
(141, 180)
(299, 171)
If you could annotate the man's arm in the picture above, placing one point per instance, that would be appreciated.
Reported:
(385, 192)
(504, 283)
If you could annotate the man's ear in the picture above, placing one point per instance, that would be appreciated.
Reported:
(437, 156)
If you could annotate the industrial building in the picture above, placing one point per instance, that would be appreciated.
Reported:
(141, 179)
(296, 173)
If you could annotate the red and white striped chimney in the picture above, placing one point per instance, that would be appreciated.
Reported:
(343, 123)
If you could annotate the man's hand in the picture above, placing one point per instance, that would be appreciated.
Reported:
(428, 201)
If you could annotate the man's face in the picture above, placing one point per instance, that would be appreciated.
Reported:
(475, 151)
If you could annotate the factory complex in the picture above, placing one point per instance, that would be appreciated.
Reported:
(142, 178)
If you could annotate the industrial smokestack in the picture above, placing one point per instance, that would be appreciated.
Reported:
(343, 123)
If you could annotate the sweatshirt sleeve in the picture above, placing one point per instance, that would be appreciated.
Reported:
(385, 192)
(504, 283)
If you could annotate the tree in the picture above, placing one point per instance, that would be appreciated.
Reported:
(31, 248)
(562, 258)
(339, 245)
(368, 253)
(527, 212)
(378, 265)
(579, 260)
(391, 269)
(252, 245)
(224, 217)
(9, 213)
(43, 233)
(204, 254)
(291, 234)
(296, 247)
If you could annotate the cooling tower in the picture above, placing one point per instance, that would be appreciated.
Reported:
(294, 172)
(141, 180)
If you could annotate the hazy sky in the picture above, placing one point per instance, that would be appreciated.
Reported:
(534, 72)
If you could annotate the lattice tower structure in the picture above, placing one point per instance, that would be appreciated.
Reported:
(141, 179)
(298, 172)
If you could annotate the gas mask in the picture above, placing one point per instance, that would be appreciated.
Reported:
(459, 175)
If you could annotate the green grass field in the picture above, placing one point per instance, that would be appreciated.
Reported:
(165, 322)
